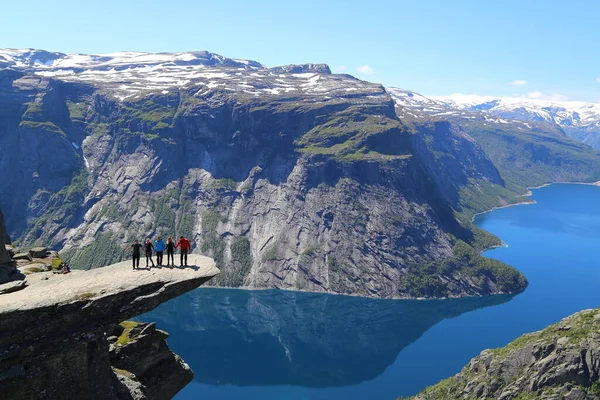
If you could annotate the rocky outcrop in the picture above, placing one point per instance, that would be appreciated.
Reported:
(143, 362)
(58, 334)
(4, 255)
(8, 268)
(559, 362)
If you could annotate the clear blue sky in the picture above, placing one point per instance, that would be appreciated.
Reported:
(430, 46)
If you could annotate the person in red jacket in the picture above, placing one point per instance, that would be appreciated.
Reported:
(184, 247)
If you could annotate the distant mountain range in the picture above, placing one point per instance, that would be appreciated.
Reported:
(579, 120)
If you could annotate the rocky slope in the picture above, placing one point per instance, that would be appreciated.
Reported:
(61, 337)
(290, 177)
(559, 362)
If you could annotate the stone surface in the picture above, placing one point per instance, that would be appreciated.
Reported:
(34, 268)
(22, 256)
(12, 286)
(559, 362)
(53, 333)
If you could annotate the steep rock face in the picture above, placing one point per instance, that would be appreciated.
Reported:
(8, 268)
(455, 161)
(56, 333)
(289, 177)
(559, 362)
(143, 362)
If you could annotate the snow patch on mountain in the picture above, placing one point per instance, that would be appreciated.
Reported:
(580, 120)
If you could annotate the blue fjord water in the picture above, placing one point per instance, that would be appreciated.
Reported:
(289, 345)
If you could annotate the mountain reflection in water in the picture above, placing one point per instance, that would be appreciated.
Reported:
(272, 337)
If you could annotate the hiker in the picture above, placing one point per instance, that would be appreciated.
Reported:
(185, 247)
(170, 251)
(65, 268)
(148, 246)
(137, 250)
(159, 248)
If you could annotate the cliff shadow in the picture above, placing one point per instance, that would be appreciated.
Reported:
(265, 338)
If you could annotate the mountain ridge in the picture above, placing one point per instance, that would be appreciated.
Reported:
(578, 119)
(373, 202)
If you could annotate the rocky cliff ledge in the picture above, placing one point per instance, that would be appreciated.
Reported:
(62, 337)
(559, 362)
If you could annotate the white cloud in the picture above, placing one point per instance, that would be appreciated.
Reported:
(341, 68)
(365, 69)
(598, 80)
(519, 82)
(541, 96)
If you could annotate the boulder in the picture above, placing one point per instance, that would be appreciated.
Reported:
(11, 250)
(38, 252)
(22, 256)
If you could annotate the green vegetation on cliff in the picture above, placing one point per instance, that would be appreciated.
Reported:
(557, 362)
(431, 280)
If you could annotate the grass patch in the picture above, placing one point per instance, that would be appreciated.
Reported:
(224, 184)
(124, 373)
(56, 262)
(84, 296)
(124, 338)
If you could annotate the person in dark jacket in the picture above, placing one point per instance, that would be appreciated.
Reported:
(170, 252)
(149, 247)
(137, 250)
(184, 245)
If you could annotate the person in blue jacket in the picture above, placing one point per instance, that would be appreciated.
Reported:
(159, 247)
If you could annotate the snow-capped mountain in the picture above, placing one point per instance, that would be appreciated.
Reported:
(134, 74)
(579, 120)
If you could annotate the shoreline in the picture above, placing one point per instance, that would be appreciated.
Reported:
(529, 194)
(521, 203)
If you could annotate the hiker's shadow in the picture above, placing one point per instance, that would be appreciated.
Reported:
(142, 269)
(193, 267)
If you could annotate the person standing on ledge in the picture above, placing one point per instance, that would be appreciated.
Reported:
(137, 250)
(148, 247)
(170, 251)
(185, 247)
(159, 248)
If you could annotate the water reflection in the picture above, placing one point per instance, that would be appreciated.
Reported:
(263, 338)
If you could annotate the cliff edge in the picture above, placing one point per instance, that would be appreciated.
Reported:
(62, 337)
